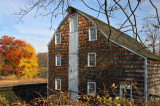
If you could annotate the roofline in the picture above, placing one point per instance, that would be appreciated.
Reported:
(100, 31)
(111, 39)
(56, 29)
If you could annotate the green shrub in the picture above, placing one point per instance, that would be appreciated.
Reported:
(3, 101)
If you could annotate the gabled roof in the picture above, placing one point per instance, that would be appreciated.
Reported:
(119, 37)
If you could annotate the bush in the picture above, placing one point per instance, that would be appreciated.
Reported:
(3, 101)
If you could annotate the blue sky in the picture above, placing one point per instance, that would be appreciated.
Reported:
(37, 32)
(33, 31)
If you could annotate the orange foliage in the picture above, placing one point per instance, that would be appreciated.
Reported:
(11, 50)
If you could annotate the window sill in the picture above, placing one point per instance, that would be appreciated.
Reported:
(91, 66)
(93, 40)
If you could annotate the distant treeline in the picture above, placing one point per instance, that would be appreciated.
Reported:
(42, 59)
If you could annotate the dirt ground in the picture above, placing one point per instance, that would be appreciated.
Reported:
(15, 82)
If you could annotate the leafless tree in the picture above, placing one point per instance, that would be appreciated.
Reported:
(109, 8)
(152, 32)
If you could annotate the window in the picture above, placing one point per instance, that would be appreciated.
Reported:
(92, 59)
(57, 84)
(57, 38)
(58, 60)
(73, 23)
(91, 87)
(92, 33)
(126, 91)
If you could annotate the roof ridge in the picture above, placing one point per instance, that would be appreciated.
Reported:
(120, 37)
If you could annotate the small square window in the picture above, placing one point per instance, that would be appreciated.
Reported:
(92, 59)
(57, 38)
(126, 91)
(57, 84)
(92, 33)
(58, 60)
(91, 87)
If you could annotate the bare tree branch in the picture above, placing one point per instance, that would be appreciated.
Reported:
(134, 17)
(108, 8)
(156, 11)
(91, 7)
(109, 26)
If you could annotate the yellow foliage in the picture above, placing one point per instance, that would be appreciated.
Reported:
(29, 64)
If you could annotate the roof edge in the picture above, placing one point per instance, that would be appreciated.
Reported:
(56, 29)
(111, 39)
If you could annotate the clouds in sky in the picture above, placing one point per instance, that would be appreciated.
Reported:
(35, 32)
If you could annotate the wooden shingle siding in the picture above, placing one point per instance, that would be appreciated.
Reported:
(153, 73)
(62, 49)
(114, 64)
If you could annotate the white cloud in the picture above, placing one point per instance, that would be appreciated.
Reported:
(39, 44)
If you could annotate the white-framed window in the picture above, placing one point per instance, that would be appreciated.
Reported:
(91, 59)
(126, 91)
(73, 23)
(58, 60)
(91, 87)
(58, 38)
(57, 84)
(92, 33)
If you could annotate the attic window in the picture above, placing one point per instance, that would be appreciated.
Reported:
(91, 59)
(58, 60)
(57, 38)
(126, 91)
(57, 84)
(92, 33)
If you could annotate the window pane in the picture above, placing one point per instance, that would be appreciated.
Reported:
(58, 84)
(91, 87)
(92, 59)
(58, 38)
(126, 93)
(93, 34)
(58, 60)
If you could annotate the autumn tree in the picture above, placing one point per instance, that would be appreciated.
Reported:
(17, 57)
(10, 53)
(29, 63)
